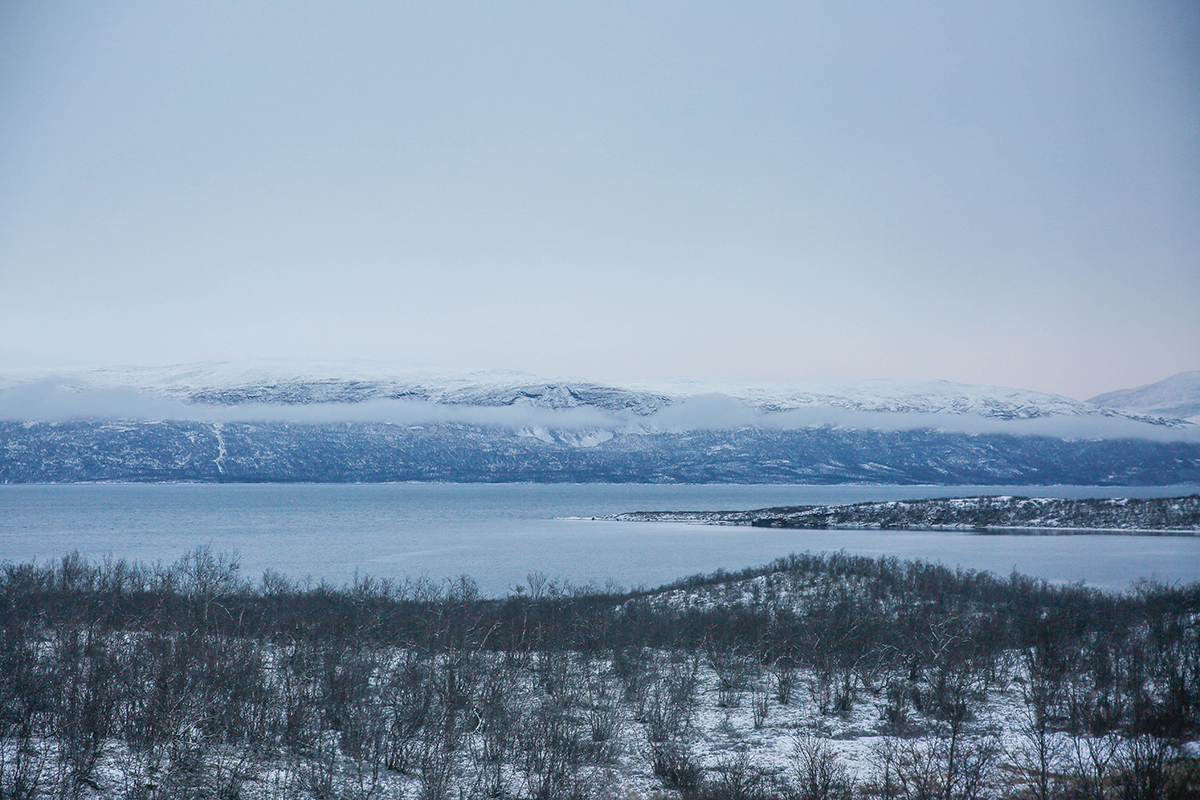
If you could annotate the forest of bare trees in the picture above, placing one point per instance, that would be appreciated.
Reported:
(823, 677)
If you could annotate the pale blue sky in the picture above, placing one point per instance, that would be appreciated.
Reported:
(990, 193)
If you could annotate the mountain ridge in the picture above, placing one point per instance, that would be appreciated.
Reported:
(316, 383)
(378, 423)
(1177, 396)
(85, 451)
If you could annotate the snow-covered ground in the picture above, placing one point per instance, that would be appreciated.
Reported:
(1177, 396)
(1160, 515)
(824, 696)
(743, 728)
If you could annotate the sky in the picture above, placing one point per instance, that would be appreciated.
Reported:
(992, 193)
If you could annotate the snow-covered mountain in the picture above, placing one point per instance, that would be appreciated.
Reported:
(309, 383)
(306, 383)
(371, 422)
(1177, 396)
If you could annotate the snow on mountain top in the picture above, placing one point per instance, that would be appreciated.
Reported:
(671, 403)
(238, 374)
(1177, 396)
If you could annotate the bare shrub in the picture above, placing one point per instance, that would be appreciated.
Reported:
(675, 765)
(818, 772)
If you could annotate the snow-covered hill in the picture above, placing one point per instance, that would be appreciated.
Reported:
(707, 403)
(378, 422)
(1177, 396)
(306, 383)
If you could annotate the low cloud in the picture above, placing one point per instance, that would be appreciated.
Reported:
(56, 400)
(1059, 426)
(705, 412)
(719, 412)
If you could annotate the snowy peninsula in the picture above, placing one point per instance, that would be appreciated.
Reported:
(1158, 516)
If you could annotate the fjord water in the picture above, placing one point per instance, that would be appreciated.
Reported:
(499, 533)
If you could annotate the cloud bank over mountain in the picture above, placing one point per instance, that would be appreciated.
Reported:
(308, 395)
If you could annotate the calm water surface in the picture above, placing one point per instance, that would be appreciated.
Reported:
(500, 533)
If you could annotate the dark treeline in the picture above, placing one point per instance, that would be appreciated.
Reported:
(1150, 513)
(120, 679)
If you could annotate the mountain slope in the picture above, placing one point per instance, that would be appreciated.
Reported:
(372, 422)
(300, 384)
(375, 452)
(1177, 396)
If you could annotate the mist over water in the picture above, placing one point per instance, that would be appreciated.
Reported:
(499, 533)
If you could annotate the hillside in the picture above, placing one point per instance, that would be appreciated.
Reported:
(203, 387)
(1177, 396)
(868, 679)
(283, 422)
(55, 452)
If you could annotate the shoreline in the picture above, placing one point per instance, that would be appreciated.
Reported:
(986, 515)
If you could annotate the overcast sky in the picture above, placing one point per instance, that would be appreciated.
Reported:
(994, 193)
